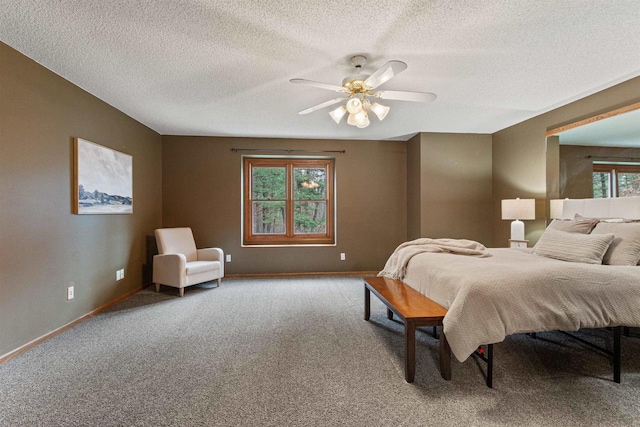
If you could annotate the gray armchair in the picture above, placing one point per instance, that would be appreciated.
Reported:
(180, 264)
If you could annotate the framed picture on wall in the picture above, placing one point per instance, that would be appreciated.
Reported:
(103, 179)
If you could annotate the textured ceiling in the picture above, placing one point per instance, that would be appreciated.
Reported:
(223, 67)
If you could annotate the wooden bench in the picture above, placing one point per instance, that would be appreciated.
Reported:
(415, 310)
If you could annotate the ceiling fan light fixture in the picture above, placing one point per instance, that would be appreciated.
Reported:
(380, 110)
(338, 113)
(354, 105)
(360, 91)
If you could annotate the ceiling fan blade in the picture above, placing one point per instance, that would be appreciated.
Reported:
(400, 95)
(318, 84)
(321, 106)
(385, 73)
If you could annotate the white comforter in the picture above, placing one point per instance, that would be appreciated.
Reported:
(515, 291)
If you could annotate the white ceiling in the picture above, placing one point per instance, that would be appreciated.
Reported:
(618, 131)
(205, 67)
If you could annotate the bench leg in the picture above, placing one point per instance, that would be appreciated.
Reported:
(367, 303)
(409, 351)
(389, 314)
(445, 357)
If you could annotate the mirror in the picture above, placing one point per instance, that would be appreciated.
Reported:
(595, 157)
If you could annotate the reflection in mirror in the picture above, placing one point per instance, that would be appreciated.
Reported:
(597, 157)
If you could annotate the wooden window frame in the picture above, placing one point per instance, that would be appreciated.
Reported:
(289, 238)
(614, 170)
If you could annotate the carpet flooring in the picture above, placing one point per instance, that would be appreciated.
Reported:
(297, 352)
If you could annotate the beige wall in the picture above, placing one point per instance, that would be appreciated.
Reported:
(576, 170)
(450, 175)
(43, 247)
(202, 190)
(519, 155)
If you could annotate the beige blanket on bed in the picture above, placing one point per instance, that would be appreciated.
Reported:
(514, 291)
(396, 265)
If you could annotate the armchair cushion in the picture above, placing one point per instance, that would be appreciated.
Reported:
(177, 241)
(197, 267)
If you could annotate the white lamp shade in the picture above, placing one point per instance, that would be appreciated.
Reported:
(338, 113)
(354, 105)
(380, 110)
(363, 120)
(555, 208)
(519, 209)
(360, 119)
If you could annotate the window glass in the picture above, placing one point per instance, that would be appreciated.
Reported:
(269, 183)
(601, 184)
(628, 184)
(268, 217)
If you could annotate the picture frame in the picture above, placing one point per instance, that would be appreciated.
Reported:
(102, 179)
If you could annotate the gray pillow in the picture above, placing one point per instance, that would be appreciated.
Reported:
(580, 217)
(584, 225)
(573, 247)
(625, 248)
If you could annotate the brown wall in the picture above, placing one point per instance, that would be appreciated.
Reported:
(43, 247)
(553, 167)
(414, 194)
(202, 190)
(576, 170)
(454, 186)
(519, 154)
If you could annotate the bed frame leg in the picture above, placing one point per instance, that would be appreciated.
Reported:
(616, 353)
(367, 303)
(490, 366)
(445, 357)
(389, 314)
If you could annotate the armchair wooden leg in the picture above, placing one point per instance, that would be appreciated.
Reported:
(181, 292)
(157, 287)
(219, 281)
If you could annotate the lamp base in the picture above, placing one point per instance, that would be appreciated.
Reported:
(517, 230)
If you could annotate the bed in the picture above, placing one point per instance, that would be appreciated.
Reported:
(518, 291)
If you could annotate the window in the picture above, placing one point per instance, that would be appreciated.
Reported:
(288, 201)
(614, 180)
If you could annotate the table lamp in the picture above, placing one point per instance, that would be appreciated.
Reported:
(555, 208)
(518, 209)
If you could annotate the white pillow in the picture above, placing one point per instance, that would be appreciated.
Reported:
(573, 247)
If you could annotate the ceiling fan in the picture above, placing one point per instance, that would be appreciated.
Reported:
(359, 92)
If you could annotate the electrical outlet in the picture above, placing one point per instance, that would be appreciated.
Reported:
(70, 292)
(228, 258)
(122, 274)
(343, 256)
